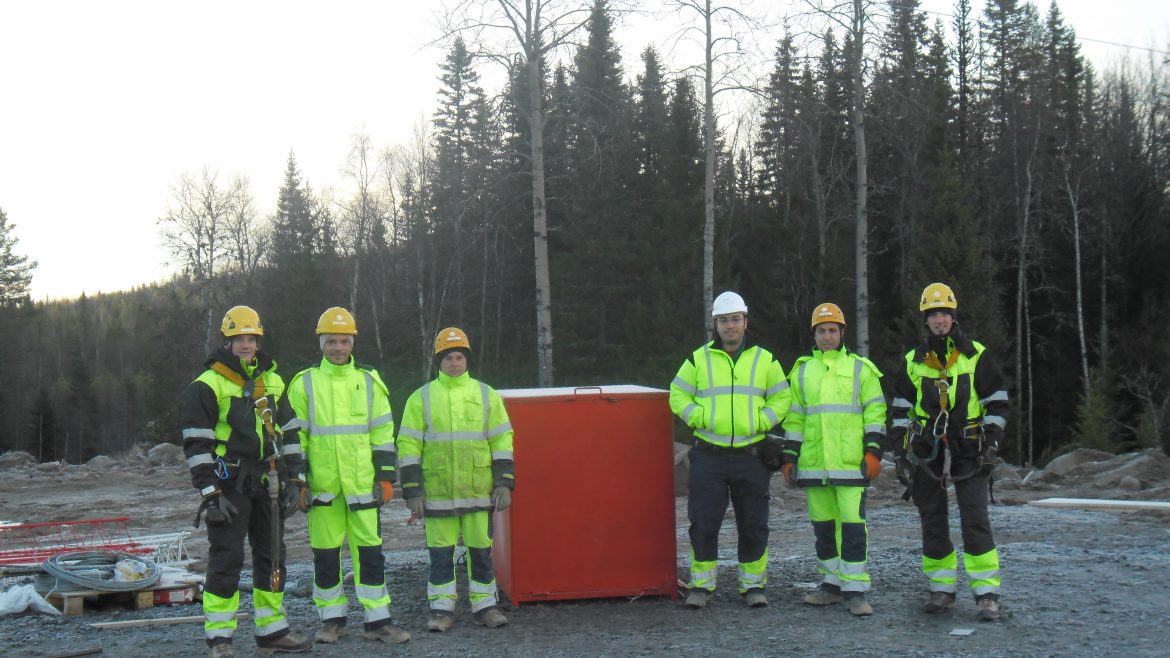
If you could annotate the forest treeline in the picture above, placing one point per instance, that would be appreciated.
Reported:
(999, 161)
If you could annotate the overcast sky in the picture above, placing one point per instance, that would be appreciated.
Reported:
(103, 105)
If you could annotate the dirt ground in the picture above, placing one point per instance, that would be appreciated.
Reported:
(1075, 582)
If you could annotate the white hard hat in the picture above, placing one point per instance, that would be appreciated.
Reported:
(728, 302)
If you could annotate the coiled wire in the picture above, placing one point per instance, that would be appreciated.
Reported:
(95, 570)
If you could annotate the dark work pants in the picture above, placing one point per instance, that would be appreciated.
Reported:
(225, 556)
(735, 475)
(970, 494)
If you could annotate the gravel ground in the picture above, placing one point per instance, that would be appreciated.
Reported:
(1075, 582)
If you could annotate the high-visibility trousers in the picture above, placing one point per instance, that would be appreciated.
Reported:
(939, 559)
(329, 526)
(717, 477)
(442, 536)
(838, 519)
(225, 558)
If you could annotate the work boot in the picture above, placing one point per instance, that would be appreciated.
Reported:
(989, 609)
(330, 632)
(388, 633)
(697, 598)
(439, 621)
(825, 595)
(289, 642)
(938, 602)
(754, 598)
(492, 617)
(222, 650)
(858, 606)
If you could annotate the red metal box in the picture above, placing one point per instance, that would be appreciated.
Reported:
(593, 511)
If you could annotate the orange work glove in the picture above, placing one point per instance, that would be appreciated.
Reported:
(787, 470)
(383, 491)
(872, 466)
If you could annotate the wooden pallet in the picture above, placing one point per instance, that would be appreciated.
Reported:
(74, 602)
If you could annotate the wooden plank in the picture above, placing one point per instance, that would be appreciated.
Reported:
(164, 621)
(1099, 503)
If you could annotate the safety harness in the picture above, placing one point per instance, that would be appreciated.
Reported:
(939, 429)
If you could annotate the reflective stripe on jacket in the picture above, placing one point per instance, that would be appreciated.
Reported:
(346, 431)
(837, 409)
(730, 404)
(455, 445)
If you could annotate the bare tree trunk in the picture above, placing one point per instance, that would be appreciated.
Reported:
(1030, 413)
(821, 211)
(708, 176)
(377, 326)
(544, 333)
(1103, 357)
(1074, 207)
(1022, 337)
(862, 182)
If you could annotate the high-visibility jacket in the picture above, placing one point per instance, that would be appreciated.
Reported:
(730, 403)
(455, 445)
(219, 417)
(838, 410)
(346, 431)
(974, 392)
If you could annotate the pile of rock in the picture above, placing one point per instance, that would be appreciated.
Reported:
(1093, 470)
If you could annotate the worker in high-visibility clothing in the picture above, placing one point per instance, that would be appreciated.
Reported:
(346, 433)
(832, 448)
(230, 417)
(950, 407)
(730, 392)
(455, 454)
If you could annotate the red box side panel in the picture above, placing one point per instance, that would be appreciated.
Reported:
(593, 511)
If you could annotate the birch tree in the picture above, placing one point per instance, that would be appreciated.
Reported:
(534, 29)
(855, 16)
(195, 230)
(722, 31)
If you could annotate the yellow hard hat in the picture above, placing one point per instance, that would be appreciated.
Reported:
(827, 312)
(336, 320)
(937, 295)
(241, 320)
(450, 338)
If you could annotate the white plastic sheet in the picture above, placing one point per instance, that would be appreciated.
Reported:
(23, 597)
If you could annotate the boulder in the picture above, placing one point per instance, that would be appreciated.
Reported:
(1146, 466)
(1067, 462)
(165, 454)
(101, 462)
(16, 459)
(1040, 475)
(1129, 483)
(1005, 472)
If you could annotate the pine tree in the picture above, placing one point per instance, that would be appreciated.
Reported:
(15, 270)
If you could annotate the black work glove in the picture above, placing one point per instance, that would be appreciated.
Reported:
(772, 453)
(295, 498)
(220, 509)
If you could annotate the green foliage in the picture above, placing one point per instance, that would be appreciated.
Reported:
(1094, 424)
(15, 270)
